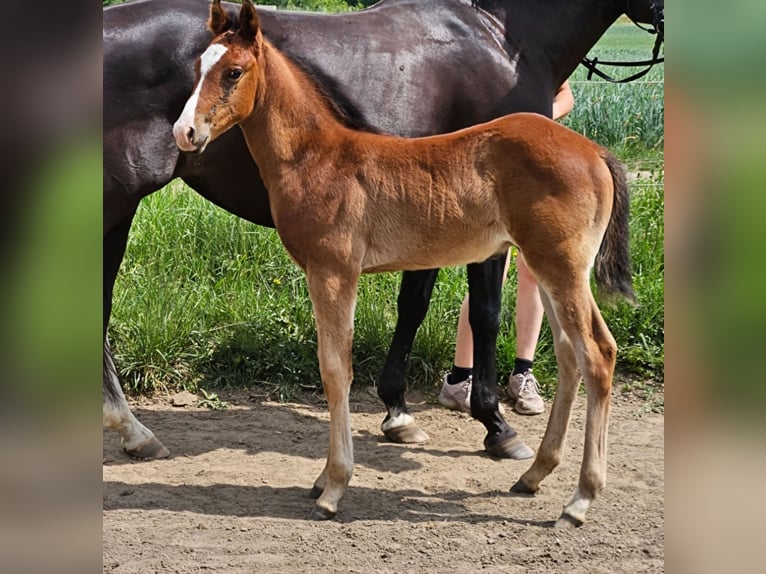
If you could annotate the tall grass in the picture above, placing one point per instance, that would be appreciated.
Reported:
(207, 299)
(627, 118)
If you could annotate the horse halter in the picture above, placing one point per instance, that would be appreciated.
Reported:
(658, 28)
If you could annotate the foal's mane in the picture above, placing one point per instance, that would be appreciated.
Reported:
(342, 107)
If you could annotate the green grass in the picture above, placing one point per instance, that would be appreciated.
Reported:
(205, 299)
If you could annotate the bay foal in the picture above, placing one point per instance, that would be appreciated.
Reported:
(347, 202)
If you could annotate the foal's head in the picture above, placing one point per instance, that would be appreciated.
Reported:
(227, 79)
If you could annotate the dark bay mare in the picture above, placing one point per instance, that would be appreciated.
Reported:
(347, 201)
(407, 67)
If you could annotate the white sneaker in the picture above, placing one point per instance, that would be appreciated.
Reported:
(524, 389)
(458, 396)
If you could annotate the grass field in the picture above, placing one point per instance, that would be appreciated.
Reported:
(206, 299)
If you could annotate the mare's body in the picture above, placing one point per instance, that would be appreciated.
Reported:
(410, 67)
(346, 202)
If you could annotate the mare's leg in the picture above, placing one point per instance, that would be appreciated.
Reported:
(137, 440)
(412, 305)
(333, 296)
(595, 351)
(485, 282)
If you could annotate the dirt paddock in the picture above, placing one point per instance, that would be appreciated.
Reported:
(233, 497)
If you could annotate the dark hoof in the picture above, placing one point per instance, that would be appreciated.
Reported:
(407, 434)
(319, 513)
(521, 488)
(152, 449)
(512, 447)
(567, 521)
(315, 492)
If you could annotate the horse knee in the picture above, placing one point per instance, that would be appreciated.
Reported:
(598, 375)
(606, 346)
(608, 351)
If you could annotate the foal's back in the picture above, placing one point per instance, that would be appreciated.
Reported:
(462, 197)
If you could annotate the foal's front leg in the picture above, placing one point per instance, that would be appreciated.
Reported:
(333, 296)
(485, 290)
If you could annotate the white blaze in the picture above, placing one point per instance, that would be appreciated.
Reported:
(209, 58)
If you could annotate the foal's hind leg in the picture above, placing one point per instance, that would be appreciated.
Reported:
(596, 356)
(595, 352)
(412, 305)
(333, 296)
(549, 453)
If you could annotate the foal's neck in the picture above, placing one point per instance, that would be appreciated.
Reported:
(290, 119)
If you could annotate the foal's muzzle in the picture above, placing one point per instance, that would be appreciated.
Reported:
(190, 139)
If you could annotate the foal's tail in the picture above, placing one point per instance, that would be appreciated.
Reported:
(613, 269)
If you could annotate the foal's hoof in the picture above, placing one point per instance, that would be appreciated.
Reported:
(512, 447)
(150, 449)
(521, 488)
(407, 434)
(315, 492)
(319, 513)
(567, 521)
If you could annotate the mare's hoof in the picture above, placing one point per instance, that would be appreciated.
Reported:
(406, 434)
(319, 513)
(512, 447)
(315, 492)
(150, 449)
(567, 521)
(521, 488)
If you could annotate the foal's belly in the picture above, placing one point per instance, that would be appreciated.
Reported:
(449, 250)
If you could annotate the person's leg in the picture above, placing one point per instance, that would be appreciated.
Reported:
(522, 385)
(464, 341)
(529, 312)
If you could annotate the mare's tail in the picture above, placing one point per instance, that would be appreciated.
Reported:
(613, 269)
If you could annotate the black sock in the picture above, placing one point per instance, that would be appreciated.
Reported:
(521, 365)
(459, 374)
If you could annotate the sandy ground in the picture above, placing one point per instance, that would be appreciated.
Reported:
(233, 497)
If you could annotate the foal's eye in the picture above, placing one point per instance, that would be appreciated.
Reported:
(234, 74)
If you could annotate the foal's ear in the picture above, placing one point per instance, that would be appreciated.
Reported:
(249, 24)
(219, 21)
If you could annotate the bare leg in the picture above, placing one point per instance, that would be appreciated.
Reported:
(529, 311)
